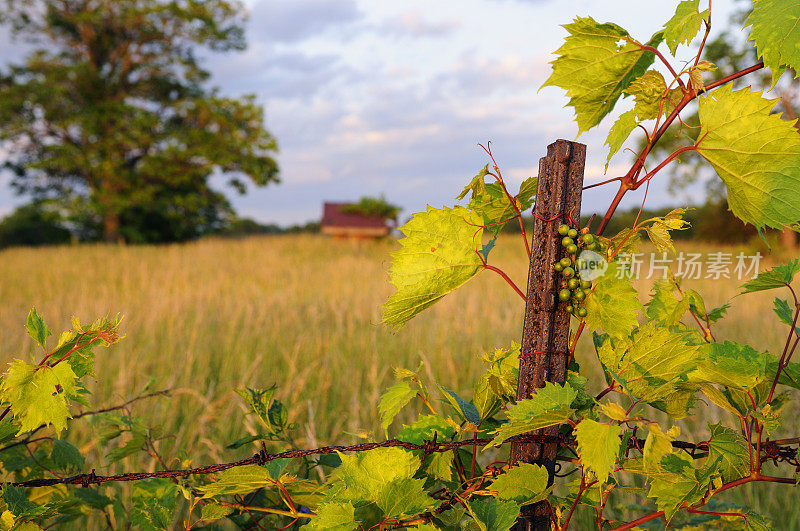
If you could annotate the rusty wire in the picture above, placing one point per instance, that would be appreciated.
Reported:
(775, 452)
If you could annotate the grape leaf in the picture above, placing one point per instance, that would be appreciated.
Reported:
(657, 445)
(648, 91)
(664, 307)
(658, 229)
(783, 311)
(619, 133)
(613, 304)
(424, 428)
(366, 474)
(731, 448)
(493, 515)
(37, 328)
(439, 253)
(154, 504)
(755, 153)
(655, 364)
(684, 24)
(214, 511)
(239, 480)
(66, 457)
(776, 34)
(598, 446)
(393, 400)
(524, 483)
(476, 186)
(777, 277)
(730, 364)
(548, 407)
(595, 69)
(34, 394)
(494, 205)
(404, 497)
(334, 516)
(676, 487)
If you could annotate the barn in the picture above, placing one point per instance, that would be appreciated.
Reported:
(340, 224)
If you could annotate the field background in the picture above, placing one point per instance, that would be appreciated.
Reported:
(302, 312)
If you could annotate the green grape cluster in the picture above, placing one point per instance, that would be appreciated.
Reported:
(573, 289)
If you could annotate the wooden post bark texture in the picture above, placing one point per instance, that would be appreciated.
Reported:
(545, 331)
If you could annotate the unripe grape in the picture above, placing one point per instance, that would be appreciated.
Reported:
(565, 262)
(568, 272)
(592, 246)
(572, 233)
(574, 283)
(570, 309)
(588, 239)
(572, 248)
(582, 313)
(586, 284)
(578, 295)
(564, 294)
(563, 229)
(567, 241)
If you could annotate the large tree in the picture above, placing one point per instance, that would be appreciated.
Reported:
(112, 114)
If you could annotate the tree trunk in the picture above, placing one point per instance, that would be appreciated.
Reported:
(111, 225)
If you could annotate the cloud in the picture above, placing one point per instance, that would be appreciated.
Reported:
(412, 24)
(296, 20)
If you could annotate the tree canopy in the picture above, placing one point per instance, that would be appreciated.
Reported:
(112, 114)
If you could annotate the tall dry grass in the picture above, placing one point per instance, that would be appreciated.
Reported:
(299, 311)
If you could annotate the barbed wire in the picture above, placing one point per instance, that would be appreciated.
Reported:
(774, 452)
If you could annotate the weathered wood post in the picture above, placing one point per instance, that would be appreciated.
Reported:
(545, 331)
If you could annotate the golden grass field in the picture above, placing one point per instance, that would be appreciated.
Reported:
(300, 311)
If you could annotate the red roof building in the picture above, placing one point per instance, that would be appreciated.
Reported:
(346, 225)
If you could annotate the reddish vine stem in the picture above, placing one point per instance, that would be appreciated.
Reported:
(627, 180)
(506, 278)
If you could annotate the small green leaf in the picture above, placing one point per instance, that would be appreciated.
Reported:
(37, 328)
(777, 277)
(466, 410)
(598, 446)
(551, 405)
(393, 400)
(619, 133)
(476, 186)
(783, 311)
(154, 504)
(239, 480)
(214, 511)
(492, 514)
(524, 483)
(440, 252)
(66, 457)
(684, 24)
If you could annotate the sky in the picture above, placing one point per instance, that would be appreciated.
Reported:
(370, 97)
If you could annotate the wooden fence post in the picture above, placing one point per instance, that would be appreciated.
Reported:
(545, 331)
